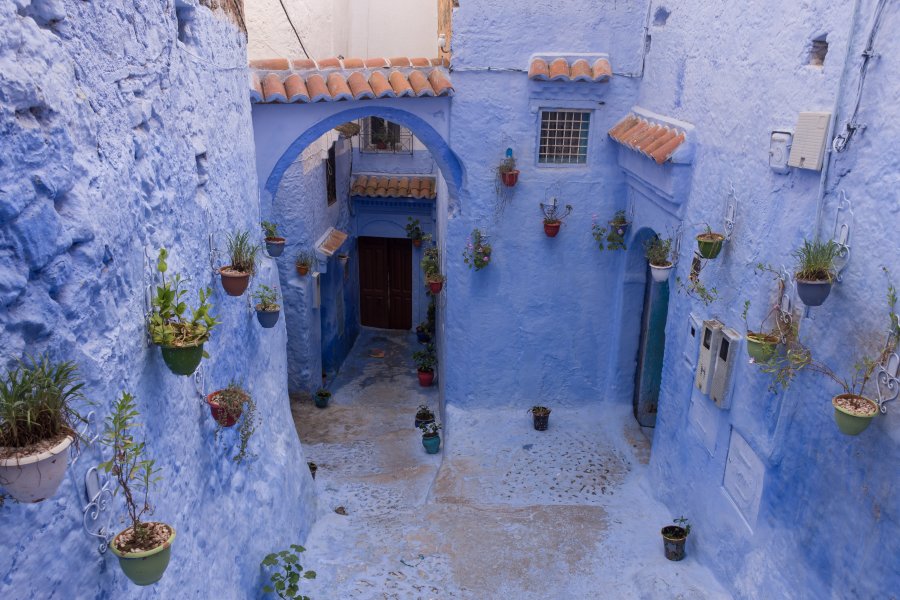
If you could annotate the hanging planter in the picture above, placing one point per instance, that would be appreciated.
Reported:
(236, 275)
(304, 260)
(815, 271)
(267, 308)
(477, 254)
(435, 283)
(344, 258)
(423, 415)
(660, 273)
(425, 362)
(414, 232)
(541, 417)
(322, 397)
(658, 251)
(274, 242)
(431, 439)
(551, 228)
(853, 414)
(709, 243)
(426, 378)
(674, 538)
(182, 360)
(226, 406)
(148, 566)
(507, 171)
(35, 476)
(553, 216)
(813, 293)
(761, 346)
(423, 336)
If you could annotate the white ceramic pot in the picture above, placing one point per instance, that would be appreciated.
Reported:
(34, 478)
(660, 274)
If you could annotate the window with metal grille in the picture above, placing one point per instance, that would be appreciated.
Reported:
(564, 137)
(380, 135)
(330, 175)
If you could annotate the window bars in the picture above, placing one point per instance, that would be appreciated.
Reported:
(380, 136)
(564, 137)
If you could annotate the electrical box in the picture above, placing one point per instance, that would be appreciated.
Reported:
(316, 290)
(779, 150)
(725, 357)
(808, 148)
(695, 326)
(709, 348)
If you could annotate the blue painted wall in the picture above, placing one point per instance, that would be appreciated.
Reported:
(116, 138)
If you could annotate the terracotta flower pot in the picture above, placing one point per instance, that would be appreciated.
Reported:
(435, 286)
(417, 243)
(302, 270)
(426, 378)
(37, 476)
(853, 414)
(145, 568)
(551, 229)
(510, 178)
(219, 414)
(234, 282)
(275, 246)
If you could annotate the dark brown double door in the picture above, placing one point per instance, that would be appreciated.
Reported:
(385, 283)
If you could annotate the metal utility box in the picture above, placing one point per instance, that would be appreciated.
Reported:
(709, 347)
(724, 358)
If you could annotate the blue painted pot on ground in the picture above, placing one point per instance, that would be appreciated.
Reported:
(432, 443)
(267, 318)
(275, 246)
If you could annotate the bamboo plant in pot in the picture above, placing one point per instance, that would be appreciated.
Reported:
(37, 426)
(425, 362)
(274, 242)
(709, 243)
(431, 439)
(658, 251)
(304, 261)
(267, 308)
(144, 547)
(541, 417)
(227, 406)
(414, 231)
(554, 216)
(242, 255)
(179, 337)
(674, 538)
(815, 270)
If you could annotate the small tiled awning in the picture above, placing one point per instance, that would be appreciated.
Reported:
(380, 186)
(653, 140)
(332, 241)
(280, 80)
(591, 68)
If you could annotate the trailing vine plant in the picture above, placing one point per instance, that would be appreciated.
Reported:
(236, 402)
(285, 580)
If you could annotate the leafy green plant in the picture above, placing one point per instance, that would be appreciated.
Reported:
(815, 260)
(134, 474)
(168, 325)
(425, 359)
(507, 165)
(36, 401)
(683, 522)
(540, 411)
(695, 288)
(323, 393)
(266, 299)
(270, 228)
(413, 229)
(658, 250)
(477, 254)
(423, 413)
(614, 240)
(235, 402)
(305, 258)
(242, 253)
(431, 264)
(430, 429)
(285, 580)
(553, 213)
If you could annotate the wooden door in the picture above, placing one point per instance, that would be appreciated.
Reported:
(385, 283)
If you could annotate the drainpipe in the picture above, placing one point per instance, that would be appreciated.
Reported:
(640, 74)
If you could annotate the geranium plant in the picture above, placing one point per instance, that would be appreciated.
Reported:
(477, 254)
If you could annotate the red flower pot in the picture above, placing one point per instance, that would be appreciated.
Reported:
(426, 378)
(220, 415)
(234, 282)
(435, 286)
(510, 178)
(417, 243)
(551, 229)
(302, 270)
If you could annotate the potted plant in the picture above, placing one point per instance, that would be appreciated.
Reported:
(541, 416)
(614, 235)
(274, 243)
(227, 406)
(425, 361)
(422, 334)
(509, 175)
(431, 266)
(423, 415)
(242, 254)
(305, 259)
(144, 547)
(619, 223)
(180, 338)
(477, 254)
(322, 397)
(285, 580)
(431, 439)
(344, 258)
(657, 250)
(674, 537)
(815, 270)
(37, 426)
(267, 308)
(710, 243)
(553, 216)
(760, 346)
(414, 231)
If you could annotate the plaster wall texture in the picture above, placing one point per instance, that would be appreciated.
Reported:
(119, 138)
(828, 508)
(269, 33)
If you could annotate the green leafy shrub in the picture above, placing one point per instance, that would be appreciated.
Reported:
(285, 580)
(242, 252)
(168, 324)
(266, 299)
(815, 260)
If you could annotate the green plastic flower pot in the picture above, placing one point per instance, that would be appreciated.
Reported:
(322, 401)
(853, 422)
(710, 244)
(145, 568)
(760, 346)
(182, 360)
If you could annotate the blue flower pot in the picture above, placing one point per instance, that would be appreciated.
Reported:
(275, 246)
(432, 444)
(268, 319)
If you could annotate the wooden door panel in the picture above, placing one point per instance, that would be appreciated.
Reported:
(400, 261)
(373, 282)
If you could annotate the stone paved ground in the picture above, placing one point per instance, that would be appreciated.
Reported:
(509, 513)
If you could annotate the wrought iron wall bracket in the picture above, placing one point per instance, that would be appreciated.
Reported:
(887, 383)
(843, 222)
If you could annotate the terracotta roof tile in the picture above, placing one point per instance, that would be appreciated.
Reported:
(539, 71)
(352, 79)
(438, 62)
(295, 88)
(400, 61)
(656, 141)
(273, 89)
(394, 186)
(602, 70)
(559, 70)
(420, 62)
(580, 70)
(335, 239)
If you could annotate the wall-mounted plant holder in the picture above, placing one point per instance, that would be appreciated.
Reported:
(843, 222)
(887, 383)
(199, 379)
(731, 203)
(785, 309)
(95, 489)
